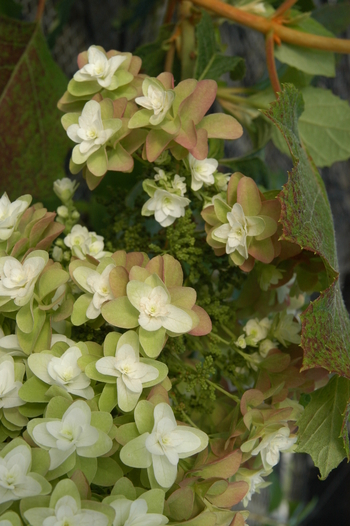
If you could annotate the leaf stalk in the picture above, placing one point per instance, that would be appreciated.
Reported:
(265, 25)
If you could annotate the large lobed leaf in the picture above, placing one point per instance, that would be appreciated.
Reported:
(321, 422)
(307, 220)
(32, 147)
(210, 63)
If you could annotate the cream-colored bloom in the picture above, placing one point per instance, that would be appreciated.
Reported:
(202, 172)
(62, 371)
(155, 98)
(241, 342)
(179, 185)
(65, 513)
(9, 386)
(271, 446)
(270, 275)
(169, 442)
(17, 281)
(9, 214)
(265, 347)
(15, 481)
(155, 308)
(135, 513)
(82, 243)
(72, 433)
(256, 330)
(160, 175)
(255, 481)
(89, 133)
(130, 374)
(236, 231)
(221, 181)
(166, 207)
(99, 67)
(285, 329)
(98, 285)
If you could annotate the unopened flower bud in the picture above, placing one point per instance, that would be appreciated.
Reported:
(65, 188)
(57, 254)
(63, 212)
(75, 214)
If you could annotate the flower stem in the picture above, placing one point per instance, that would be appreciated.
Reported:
(169, 12)
(230, 395)
(40, 10)
(265, 25)
(287, 4)
(271, 64)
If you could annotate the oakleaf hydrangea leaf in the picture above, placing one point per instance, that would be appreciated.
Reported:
(307, 221)
(323, 415)
(33, 147)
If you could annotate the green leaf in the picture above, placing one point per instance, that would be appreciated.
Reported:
(325, 126)
(152, 342)
(34, 390)
(108, 399)
(310, 61)
(307, 221)
(33, 147)
(220, 64)
(321, 423)
(108, 472)
(206, 44)
(153, 54)
(120, 313)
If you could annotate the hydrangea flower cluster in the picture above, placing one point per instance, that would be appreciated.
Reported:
(113, 410)
(112, 111)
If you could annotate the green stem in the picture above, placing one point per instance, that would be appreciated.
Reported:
(223, 391)
(233, 336)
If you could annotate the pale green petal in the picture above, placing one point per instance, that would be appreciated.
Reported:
(177, 320)
(136, 290)
(164, 472)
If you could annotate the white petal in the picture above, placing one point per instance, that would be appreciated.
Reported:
(177, 320)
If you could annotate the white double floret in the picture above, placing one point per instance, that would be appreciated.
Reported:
(155, 308)
(17, 281)
(99, 67)
(10, 213)
(83, 243)
(130, 374)
(62, 371)
(89, 133)
(135, 513)
(165, 206)
(155, 98)
(65, 513)
(169, 442)
(72, 433)
(239, 227)
(9, 386)
(15, 481)
(202, 172)
(271, 446)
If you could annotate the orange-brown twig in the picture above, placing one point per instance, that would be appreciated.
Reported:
(40, 10)
(265, 25)
(283, 8)
(271, 64)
